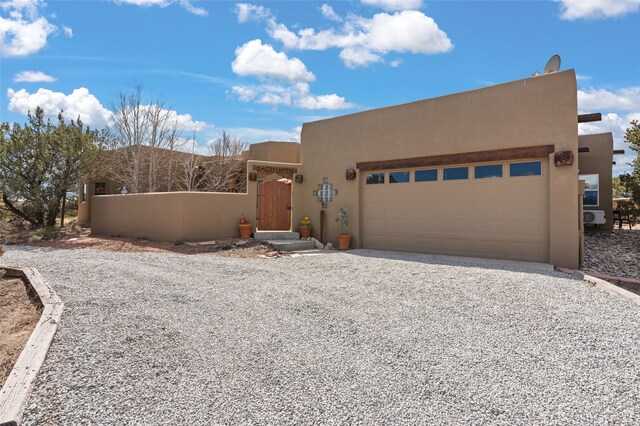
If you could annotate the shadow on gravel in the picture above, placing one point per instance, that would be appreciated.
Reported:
(434, 259)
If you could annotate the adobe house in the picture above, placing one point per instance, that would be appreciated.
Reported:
(492, 172)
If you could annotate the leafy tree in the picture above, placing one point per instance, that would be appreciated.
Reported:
(619, 190)
(631, 181)
(40, 162)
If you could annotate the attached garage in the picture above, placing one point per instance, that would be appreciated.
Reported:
(489, 173)
(497, 210)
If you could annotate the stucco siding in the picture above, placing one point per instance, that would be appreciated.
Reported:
(599, 161)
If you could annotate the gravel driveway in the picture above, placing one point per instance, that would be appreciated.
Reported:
(358, 337)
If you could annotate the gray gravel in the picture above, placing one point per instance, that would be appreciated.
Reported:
(359, 337)
(616, 253)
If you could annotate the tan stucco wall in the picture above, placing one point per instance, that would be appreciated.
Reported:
(599, 161)
(529, 112)
(281, 152)
(84, 207)
(185, 216)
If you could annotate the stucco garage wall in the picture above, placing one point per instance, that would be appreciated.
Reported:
(530, 112)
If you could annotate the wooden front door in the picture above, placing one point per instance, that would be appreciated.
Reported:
(274, 206)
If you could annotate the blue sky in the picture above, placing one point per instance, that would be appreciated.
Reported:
(259, 70)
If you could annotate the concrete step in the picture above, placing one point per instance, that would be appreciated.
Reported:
(276, 235)
(292, 245)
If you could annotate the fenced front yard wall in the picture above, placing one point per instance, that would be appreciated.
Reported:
(180, 216)
(171, 216)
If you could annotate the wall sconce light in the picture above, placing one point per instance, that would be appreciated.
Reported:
(253, 176)
(563, 158)
(299, 178)
(351, 174)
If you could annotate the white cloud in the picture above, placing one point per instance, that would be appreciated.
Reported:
(33, 77)
(250, 12)
(186, 123)
(395, 63)
(186, 4)
(68, 31)
(364, 41)
(616, 124)
(394, 4)
(24, 32)
(332, 101)
(596, 9)
(79, 103)
(297, 95)
(329, 13)
(596, 100)
(261, 60)
(618, 108)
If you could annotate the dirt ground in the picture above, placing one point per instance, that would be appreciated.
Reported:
(74, 236)
(18, 318)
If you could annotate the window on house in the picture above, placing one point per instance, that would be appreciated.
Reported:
(100, 188)
(374, 178)
(530, 168)
(488, 171)
(591, 189)
(456, 173)
(83, 193)
(398, 177)
(430, 175)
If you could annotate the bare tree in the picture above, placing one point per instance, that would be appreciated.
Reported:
(143, 140)
(191, 166)
(225, 170)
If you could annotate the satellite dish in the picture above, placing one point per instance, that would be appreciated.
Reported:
(553, 64)
(535, 74)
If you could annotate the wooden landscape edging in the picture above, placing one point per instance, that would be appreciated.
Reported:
(15, 392)
(540, 151)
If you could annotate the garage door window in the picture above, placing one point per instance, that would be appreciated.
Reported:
(426, 175)
(398, 177)
(456, 173)
(374, 178)
(530, 168)
(488, 171)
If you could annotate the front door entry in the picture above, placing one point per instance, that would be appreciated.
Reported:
(274, 206)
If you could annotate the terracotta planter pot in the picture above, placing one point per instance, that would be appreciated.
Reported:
(344, 241)
(305, 231)
(245, 230)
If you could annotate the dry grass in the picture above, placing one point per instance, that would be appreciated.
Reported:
(17, 231)
(18, 318)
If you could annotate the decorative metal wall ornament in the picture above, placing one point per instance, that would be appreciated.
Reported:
(563, 158)
(325, 192)
(253, 176)
(299, 178)
(351, 174)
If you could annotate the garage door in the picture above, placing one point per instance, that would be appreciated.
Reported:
(498, 210)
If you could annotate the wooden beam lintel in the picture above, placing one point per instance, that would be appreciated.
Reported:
(540, 151)
(588, 118)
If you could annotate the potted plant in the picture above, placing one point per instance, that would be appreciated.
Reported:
(344, 240)
(245, 227)
(305, 227)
